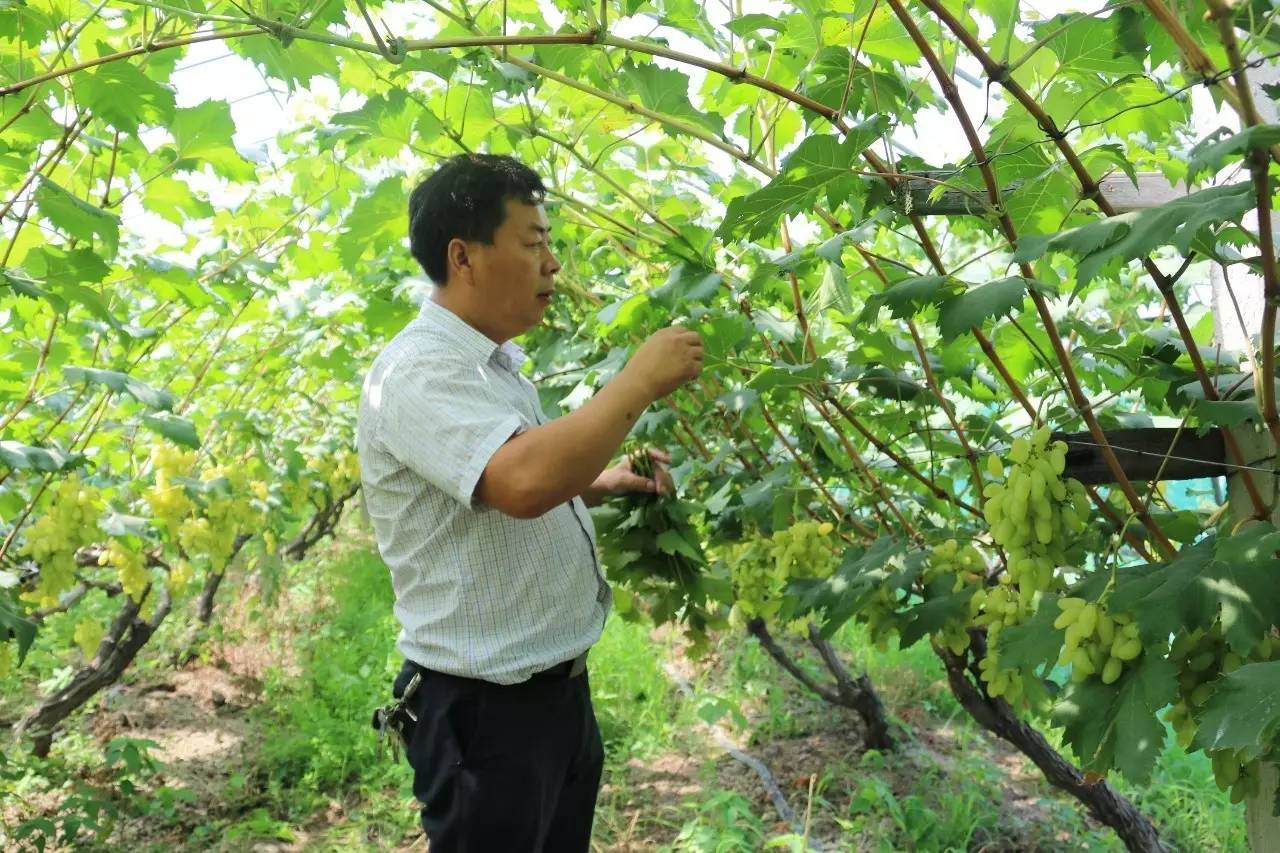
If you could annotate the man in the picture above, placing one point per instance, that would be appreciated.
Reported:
(479, 504)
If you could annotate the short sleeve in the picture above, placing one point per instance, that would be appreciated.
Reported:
(444, 420)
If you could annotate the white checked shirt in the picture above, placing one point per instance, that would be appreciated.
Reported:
(478, 593)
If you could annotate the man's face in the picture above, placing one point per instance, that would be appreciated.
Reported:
(514, 277)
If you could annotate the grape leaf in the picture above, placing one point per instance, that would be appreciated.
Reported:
(125, 97)
(753, 23)
(671, 542)
(929, 616)
(974, 307)
(1228, 413)
(863, 570)
(786, 375)
(1115, 726)
(27, 286)
(177, 429)
(375, 219)
(907, 297)
(1226, 577)
(1136, 234)
(816, 162)
(13, 625)
(686, 283)
(19, 456)
(22, 21)
(1090, 44)
(666, 91)
(1208, 156)
(77, 217)
(121, 383)
(204, 133)
(1243, 712)
(1130, 37)
(175, 201)
(1035, 642)
(889, 384)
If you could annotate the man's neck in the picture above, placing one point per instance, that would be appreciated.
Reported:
(455, 301)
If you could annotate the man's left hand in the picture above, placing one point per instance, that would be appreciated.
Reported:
(621, 479)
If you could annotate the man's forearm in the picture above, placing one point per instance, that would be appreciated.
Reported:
(546, 466)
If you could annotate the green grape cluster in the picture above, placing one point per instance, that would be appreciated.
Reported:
(130, 566)
(761, 568)
(1033, 511)
(6, 659)
(879, 613)
(88, 635)
(1097, 642)
(53, 539)
(1201, 657)
(1000, 682)
(994, 608)
(963, 566)
(1234, 771)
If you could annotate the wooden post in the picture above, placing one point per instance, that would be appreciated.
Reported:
(1235, 330)
(1262, 826)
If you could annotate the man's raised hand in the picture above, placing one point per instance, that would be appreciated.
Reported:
(666, 360)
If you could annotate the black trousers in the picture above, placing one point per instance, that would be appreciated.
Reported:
(503, 768)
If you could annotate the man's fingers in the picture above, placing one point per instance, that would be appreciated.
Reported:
(660, 455)
(629, 482)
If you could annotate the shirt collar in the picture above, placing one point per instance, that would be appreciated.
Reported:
(469, 341)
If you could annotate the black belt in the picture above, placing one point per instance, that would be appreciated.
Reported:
(565, 669)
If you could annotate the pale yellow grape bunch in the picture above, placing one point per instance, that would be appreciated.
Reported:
(169, 502)
(213, 536)
(1097, 642)
(201, 539)
(1034, 510)
(1000, 682)
(337, 471)
(760, 569)
(88, 634)
(965, 565)
(949, 559)
(347, 471)
(70, 522)
(995, 607)
(804, 550)
(180, 573)
(757, 588)
(130, 566)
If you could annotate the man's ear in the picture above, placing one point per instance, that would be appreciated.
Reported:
(458, 258)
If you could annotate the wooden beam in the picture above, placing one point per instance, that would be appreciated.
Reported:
(1142, 453)
(913, 196)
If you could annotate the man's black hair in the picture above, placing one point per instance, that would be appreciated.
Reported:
(465, 198)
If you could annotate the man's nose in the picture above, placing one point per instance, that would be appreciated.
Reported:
(553, 265)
